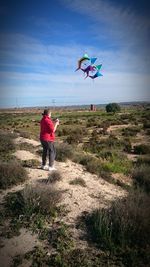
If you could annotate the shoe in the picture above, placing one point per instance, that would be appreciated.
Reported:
(52, 169)
(44, 167)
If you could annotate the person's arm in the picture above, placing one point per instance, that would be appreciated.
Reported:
(56, 124)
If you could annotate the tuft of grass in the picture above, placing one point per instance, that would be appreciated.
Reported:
(123, 228)
(143, 160)
(25, 134)
(30, 163)
(130, 131)
(54, 176)
(118, 164)
(63, 152)
(60, 238)
(33, 207)
(142, 149)
(25, 146)
(78, 181)
(141, 177)
(11, 173)
(7, 146)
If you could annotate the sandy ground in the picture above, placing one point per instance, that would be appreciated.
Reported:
(77, 199)
(17, 245)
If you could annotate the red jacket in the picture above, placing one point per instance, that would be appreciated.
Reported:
(47, 129)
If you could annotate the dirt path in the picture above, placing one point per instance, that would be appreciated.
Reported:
(77, 199)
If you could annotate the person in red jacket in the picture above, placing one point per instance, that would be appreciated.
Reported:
(47, 138)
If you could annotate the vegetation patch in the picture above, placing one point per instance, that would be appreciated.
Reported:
(25, 146)
(33, 207)
(30, 163)
(118, 163)
(123, 228)
(7, 146)
(78, 181)
(54, 177)
(142, 149)
(141, 177)
(11, 173)
(130, 131)
(64, 152)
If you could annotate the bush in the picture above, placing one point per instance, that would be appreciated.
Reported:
(118, 163)
(143, 160)
(96, 166)
(124, 227)
(6, 145)
(146, 124)
(130, 131)
(33, 201)
(92, 122)
(75, 136)
(11, 173)
(25, 134)
(54, 176)
(113, 107)
(30, 163)
(78, 181)
(127, 145)
(142, 149)
(141, 176)
(64, 152)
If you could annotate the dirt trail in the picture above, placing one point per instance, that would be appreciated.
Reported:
(76, 198)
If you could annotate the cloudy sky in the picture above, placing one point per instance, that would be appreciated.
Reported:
(41, 42)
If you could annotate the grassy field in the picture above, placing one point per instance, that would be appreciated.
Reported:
(114, 146)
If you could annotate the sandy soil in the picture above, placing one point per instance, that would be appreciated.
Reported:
(77, 199)
(17, 245)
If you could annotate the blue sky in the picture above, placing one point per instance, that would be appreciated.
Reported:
(41, 42)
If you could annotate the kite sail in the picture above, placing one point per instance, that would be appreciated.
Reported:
(87, 65)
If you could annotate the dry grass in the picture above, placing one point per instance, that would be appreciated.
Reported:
(11, 173)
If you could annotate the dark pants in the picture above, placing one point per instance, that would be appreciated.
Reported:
(48, 149)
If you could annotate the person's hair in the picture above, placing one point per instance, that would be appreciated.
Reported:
(46, 112)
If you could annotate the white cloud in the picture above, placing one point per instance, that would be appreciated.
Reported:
(26, 52)
(120, 86)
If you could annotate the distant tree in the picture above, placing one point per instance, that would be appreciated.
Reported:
(113, 107)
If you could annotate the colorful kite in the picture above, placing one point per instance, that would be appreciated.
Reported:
(87, 65)
(97, 74)
(81, 60)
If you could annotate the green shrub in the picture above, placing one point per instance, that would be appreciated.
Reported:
(118, 163)
(75, 136)
(127, 145)
(30, 163)
(6, 145)
(146, 124)
(78, 181)
(96, 166)
(33, 201)
(54, 176)
(25, 146)
(143, 160)
(11, 173)
(64, 152)
(141, 176)
(60, 238)
(142, 149)
(92, 122)
(124, 227)
(130, 131)
(25, 134)
(112, 107)
(63, 131)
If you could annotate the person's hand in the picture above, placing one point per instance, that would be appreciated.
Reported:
(57, 121)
